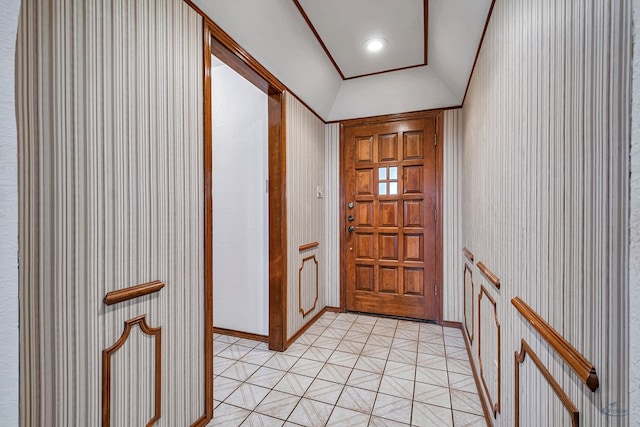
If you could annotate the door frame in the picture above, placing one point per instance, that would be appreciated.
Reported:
(218, 42)
(438, 115)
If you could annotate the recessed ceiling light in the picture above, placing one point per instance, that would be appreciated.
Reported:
(375, 45)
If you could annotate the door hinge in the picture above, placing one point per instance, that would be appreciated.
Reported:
(435, 139)
(435, 289)
(435, 215)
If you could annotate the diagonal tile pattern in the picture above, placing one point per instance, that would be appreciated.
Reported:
(348, 370)
(357, 399)
(247, 396)
(311, 413)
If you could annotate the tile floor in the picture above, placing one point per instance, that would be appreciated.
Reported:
(348, 370)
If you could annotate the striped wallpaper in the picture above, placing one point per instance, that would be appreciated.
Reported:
(544, 201)
(305, 135)
(634, 228)
(111, 195)
(332, 202)
(452, 257)
(109, 120)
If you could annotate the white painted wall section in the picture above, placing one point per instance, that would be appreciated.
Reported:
(8, 218)
(454, 36)
(275, 34)
(240, 203)
(400, 91)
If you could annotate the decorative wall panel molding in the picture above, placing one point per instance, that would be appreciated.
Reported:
(566, 402)
(308, 286)
(156, 333)
(576, 361)
(468, 293)
(133, 292)
(494, 398)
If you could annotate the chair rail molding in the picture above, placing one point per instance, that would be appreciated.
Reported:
(576, 361)
(468, 254)
(495, 280)
(132, 292)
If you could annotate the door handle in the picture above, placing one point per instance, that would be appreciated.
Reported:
(351, 228)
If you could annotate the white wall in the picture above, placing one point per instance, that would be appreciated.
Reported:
(8, 218)
(240, 203)
(634, 230)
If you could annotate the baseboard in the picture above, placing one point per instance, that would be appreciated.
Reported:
(306, 326)
(485, 408)
(451, 324)
(239, 334)
(334, 309)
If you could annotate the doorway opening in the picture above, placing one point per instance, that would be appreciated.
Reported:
(217, 43)
(240, 205)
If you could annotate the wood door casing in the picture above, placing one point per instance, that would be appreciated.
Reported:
(392, 256)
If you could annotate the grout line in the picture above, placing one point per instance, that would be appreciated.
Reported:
(417, 333)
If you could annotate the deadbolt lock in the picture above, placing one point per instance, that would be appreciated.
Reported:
(350, 218)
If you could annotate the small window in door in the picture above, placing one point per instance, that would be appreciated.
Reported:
(388, 180)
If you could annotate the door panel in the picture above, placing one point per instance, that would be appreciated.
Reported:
(413, 145)
(388, 147)
(364, 180)
(364, 247)
(364, 277)
(364, 149)
(391, 251)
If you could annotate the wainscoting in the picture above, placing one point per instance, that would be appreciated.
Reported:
(521, 381)
(468, 302)
(544, 162)
(489, 348)
(306, 289)
(130, 381)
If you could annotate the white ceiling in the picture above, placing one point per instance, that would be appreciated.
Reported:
(275, 33)
(360, 20)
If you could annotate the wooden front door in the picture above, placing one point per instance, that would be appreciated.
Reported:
(391, 200)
